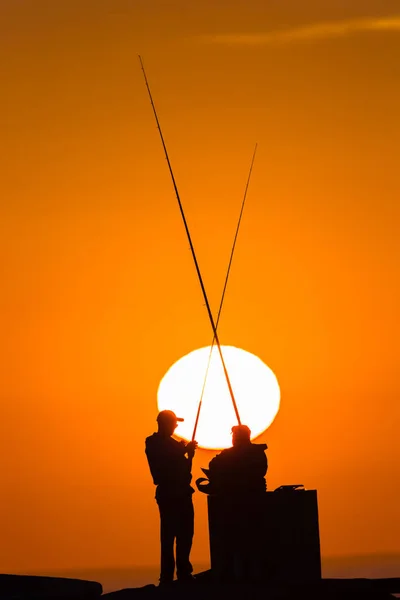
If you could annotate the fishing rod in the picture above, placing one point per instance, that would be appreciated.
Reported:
(223, 294)
(192, 248)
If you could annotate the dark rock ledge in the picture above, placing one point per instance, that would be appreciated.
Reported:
(24, 587)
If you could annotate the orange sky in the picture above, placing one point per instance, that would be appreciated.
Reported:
(99, 293)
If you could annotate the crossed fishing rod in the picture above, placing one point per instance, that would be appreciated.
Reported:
(214, 324)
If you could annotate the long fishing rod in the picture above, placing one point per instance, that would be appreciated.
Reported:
(223, 294)
(192, 248)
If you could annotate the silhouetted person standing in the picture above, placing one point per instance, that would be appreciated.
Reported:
(170, 464)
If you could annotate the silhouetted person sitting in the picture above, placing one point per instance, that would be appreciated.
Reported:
(240, 469)
(237, 483)
(170, 464)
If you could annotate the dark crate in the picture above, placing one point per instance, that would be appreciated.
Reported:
(274, 536)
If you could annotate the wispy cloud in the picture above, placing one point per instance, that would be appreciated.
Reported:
(309, 32)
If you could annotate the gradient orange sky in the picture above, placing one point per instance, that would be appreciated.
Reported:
(99, 293)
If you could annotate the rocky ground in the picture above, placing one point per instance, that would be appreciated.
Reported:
(20, 587)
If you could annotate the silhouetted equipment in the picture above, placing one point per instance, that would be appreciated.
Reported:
(192, 248)
(223, 294)
(283, 488)
(269, 537)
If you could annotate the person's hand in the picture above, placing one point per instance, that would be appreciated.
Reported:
(191, 448)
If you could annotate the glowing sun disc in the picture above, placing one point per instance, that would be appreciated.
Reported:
(255, 388)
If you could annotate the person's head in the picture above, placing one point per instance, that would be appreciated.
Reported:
(240, 435)
(167, 422)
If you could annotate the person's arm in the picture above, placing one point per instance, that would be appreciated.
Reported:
(191, 448)
(153, 464)
(264, 464)
(262, 461)
(159, 461)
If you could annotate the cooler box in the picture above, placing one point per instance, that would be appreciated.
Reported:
(276, 535)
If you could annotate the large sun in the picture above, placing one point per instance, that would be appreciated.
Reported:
(255, 388)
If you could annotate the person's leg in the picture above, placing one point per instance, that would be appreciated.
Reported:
(184, 538)
(167, 535)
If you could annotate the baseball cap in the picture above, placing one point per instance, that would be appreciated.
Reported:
(168, 415)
